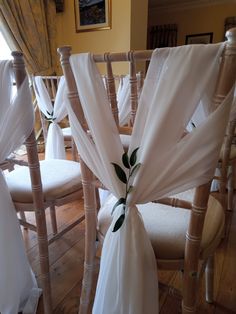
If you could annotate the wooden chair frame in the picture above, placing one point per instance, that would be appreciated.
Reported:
(191, 263)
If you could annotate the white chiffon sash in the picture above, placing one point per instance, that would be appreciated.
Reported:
(123, 99)
(175, 84)
(18, 286)
(54, 113)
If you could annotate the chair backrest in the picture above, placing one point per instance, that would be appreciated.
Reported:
(31, 144)
(35, 175)
(114, 81)
(225, 80)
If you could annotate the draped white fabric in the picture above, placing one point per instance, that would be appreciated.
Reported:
(202, 111)
(175, 84)
(55, 113)
(123, 101)
(18, 287)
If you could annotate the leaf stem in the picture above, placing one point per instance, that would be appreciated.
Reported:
(130, 164)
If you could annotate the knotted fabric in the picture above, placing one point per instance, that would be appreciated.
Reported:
(54, 113)
(123, 98)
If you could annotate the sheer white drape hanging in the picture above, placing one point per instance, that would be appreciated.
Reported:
(18, 287)
(127, 282)
(123, 98)
(199, 116)
(54, 113)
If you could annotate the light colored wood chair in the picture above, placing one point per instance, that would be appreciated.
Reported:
(51, 84)
(184, 238)
(43, 184)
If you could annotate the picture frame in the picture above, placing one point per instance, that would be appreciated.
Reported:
(92, 15)
(203, 38)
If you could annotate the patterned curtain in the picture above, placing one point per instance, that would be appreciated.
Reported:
(30, 24)
(163, 36)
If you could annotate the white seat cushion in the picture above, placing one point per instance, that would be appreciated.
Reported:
(167, 226)
(59, 178)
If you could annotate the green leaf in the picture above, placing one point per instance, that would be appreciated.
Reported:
(133, 157)
(119, 223)
(125, 160)
(50, 114)
(120, 173)
(136, 167)
(121, 200)
(193, 125)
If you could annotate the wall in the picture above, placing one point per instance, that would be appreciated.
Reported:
(204, 19)
(116, 39)
(139, 21)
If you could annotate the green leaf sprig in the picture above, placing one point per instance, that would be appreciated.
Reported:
(50, 119)
(130, 164)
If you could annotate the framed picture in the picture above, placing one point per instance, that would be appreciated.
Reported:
(92, 15)
(204, 38)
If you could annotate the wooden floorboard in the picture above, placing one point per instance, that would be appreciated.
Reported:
(66, 263)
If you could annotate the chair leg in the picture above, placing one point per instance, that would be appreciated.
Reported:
(86, 287)
(53, 219)
(90, 238)
(188, 307)
(190, 289)
(44, 260)
(209, 278)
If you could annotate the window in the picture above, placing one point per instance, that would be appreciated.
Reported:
(5, 51)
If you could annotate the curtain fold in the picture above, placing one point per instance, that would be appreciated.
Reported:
(30, 25)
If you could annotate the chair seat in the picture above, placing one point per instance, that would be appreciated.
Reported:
(167, 226)
(59, 177)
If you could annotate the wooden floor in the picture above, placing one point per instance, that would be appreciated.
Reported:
(66, 260)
